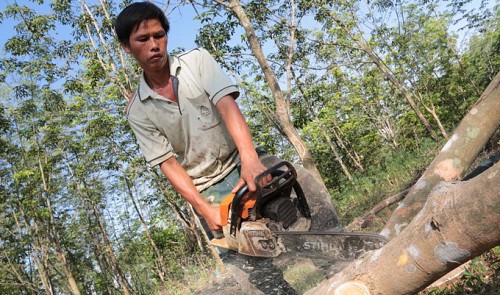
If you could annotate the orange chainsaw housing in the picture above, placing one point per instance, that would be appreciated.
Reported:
(247, 218)
(225, 207)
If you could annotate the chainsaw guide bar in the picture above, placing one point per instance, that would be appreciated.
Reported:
(338, 246)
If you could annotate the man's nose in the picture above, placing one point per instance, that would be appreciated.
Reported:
(154, 44)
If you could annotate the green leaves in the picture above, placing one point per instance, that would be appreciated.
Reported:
(64, 139)
(23, 175)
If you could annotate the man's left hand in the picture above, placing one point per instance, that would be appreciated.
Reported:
(250, 171)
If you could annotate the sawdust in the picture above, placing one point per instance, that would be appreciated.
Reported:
(278, 276)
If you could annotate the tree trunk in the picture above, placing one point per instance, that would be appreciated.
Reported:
(363, 222)
(162, 268)
(103, 250)
(50, 228)
(38, 253)
(338, 157)
(70, 278)
(352, 155)
(100, 256)
(106, 59)
(282, 111)
(184, 217)
(110, 254)
(454, 226)
(432, 110)
(60, 255)
(454, 159)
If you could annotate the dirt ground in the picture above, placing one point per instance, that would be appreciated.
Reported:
(282, 275)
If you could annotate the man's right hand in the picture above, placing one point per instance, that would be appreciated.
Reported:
(212, 217)
(185, 187)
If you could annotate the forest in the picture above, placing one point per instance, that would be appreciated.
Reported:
(363, 94)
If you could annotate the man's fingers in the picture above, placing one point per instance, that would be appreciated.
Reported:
(213, 218)
(251, 186)
(266, 179)
(215, 227)
(239, 185)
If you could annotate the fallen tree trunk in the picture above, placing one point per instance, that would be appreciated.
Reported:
(455, 158)
(458, 222)
(363, 222)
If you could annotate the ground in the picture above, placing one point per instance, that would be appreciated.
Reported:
(282, 275)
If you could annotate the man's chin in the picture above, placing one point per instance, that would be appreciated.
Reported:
(155, 66)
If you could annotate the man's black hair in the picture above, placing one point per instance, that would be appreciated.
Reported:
(133, 15)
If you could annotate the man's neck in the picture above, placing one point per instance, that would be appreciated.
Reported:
(158, 79)
(159, 82)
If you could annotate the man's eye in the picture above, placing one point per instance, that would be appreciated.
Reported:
(159, 36)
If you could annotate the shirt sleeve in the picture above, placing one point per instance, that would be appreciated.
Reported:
(214, 80)
(154, 145)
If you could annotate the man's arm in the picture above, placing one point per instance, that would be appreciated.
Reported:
(251, 166)
(183, 184)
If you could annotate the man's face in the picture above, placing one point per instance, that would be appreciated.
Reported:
(148, 44)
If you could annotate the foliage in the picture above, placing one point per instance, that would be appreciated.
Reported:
(480, 277)
(394, 171)
(77, 200)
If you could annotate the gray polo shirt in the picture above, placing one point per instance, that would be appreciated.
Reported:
(192, 129)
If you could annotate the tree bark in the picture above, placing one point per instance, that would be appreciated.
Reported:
(454, 226)
(282, 111)
(455, 157)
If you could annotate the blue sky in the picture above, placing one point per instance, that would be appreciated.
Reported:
(182, 33)
(183, 27)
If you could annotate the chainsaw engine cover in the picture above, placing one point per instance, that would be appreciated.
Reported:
(256, 239)
(281, 210)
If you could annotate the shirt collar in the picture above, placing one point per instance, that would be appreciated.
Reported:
(145, 91)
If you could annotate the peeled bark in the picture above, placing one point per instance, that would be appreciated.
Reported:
(458, 222)
(455, 158)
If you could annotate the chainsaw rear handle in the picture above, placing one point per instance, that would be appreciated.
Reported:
(287, 179)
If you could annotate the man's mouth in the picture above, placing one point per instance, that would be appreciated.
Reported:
(156, 57)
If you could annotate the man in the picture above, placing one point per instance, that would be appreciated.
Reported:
(185, 117)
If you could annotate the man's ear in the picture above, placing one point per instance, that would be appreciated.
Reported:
(126, 47)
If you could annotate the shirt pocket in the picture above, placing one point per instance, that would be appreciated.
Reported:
(203, 112)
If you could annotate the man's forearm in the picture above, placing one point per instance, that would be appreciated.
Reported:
(237, 127)
(251, 167)
(182, 183)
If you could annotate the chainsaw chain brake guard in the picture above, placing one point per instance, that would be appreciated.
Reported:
(271, 201)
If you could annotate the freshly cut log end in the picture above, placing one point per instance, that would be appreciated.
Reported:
(352, 288)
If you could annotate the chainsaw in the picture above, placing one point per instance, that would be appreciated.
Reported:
(276, 219)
